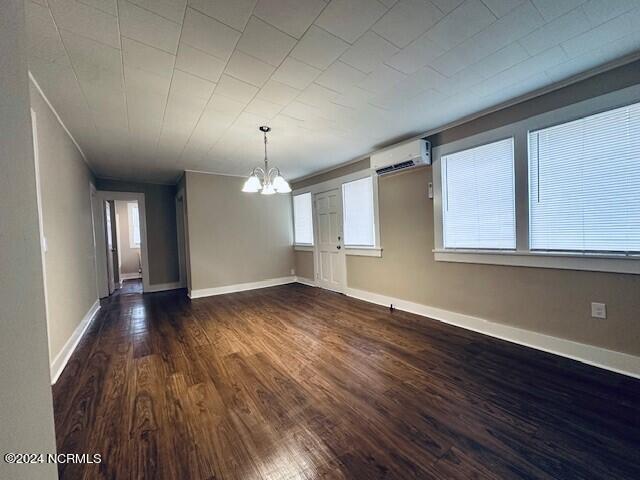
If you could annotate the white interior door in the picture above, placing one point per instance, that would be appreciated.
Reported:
(329, 251)
(111, 240)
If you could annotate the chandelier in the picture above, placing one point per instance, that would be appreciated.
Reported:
(266, 180)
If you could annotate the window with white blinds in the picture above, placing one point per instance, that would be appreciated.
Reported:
(358, 215)
(478, 197)
(302, 219)
(584, 184)
(134, 224)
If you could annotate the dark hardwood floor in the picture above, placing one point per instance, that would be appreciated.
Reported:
(294, 382)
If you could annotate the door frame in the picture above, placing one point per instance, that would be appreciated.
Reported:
(183, 244)
(101, 243)
(42, 236)
(336, 183)
(316, 241)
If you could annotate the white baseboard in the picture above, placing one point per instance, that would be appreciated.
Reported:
(130, 276)
(240, 287)
(161, 287)
(596, 356)
(58, 364)
(306, 281)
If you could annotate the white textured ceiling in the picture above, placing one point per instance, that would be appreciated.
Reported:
(150, 88)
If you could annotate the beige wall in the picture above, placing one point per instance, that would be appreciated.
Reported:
(128, 256)
(235, 237)
(162, 240)
(68, 227)
(304, 264)
(26, 416)
(549, 301)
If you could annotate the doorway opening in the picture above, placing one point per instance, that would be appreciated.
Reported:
(121, 243)
(126, 258)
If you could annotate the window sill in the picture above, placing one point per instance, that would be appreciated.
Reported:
(364, 251)
(303, 248)
(559, 260)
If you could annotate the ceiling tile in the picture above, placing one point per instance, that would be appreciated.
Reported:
(43, 39)
(107, 6)
(599, 11)
(607, 32)
(263, 108)
(208, 34)
(354, 97)
(349, 19)
(225, 106)
(447, 6)
(557, 31)
(416, 83)
(381, 79)
(340, 76)
(265, 42)
(235, 89)
(301, 111)
(84, 20)
(501, 7)
(317, 95)
(497, 62)
(97, 65)
(276, 92)
(184, 83)
(369, 51)
(291, 16)
(141, 82)
(170, 9)
(516, 24)
(233, 13)
(199, 63)
(465, 21)
(319, 48)
(295, 73)
(249, 69)
(144, 57)
(551, 9)
(416, 55)
(146, 27)
(406, 21)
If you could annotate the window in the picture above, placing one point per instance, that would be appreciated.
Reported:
(302, 219)
(478, 197)
(584, 184)
(134, 225)
(358, 214)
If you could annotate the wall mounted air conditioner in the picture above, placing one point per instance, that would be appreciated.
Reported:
(399, 157)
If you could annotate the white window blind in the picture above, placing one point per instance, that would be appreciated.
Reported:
(303, 219)
(584, 184)
(357, 206)
(134, 225)
(478, 199)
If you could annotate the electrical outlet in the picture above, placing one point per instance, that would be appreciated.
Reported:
(293, 271)
(598, 310)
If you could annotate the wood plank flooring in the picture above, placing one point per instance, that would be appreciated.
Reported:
(294, 382)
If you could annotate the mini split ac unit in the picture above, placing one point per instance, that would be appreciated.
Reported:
(399, 157)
